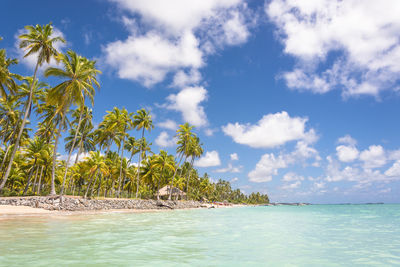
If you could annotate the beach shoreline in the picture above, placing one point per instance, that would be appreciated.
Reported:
(73, 205)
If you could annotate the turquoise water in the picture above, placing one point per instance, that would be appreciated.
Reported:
(318, 235)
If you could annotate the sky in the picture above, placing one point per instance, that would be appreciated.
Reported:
(297, 99)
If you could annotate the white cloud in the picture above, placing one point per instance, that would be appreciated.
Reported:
(234, 180)
(31, 60)
(183, 79)
(361, 36)
(373, 157)
(394, 170)
(347, 153)
(266, 168)
(164, 140)
(210, 159)
(230, 168)
(271, 131)
(168, 124)
(291, 186)
(188, 102)
(149, 58)
(347, 140)
(291, 176)
(234, 156)
(209, 132)
(176, 36)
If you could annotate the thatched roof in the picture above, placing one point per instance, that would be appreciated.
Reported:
(175, 191)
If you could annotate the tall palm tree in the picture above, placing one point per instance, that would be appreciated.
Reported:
(164, 162)
(195, 151)
(38, 41)
(132, 146)
(79, 76)
(141, 121)
(125, 124)
(184, 134)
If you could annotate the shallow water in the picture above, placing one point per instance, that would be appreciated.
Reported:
(318, 235)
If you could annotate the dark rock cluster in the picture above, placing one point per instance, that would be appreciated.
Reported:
(80, 204)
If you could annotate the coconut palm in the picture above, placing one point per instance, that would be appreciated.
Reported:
(95, 163)
(141, 121)
(125, 124)
(195, 151)
(163, 162)
(38, 41)
(79, 76)
(184, 134)
(7, 79)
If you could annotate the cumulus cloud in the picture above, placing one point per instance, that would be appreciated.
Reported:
(175, 36)
(348, 45)
(373, 157)
(266, 168)
(234, 156)
(291, 176)
(234, 180)
(230, 168)
(347, 153)
(269, 164)
(291, 186)
(210, 159)
(164, 140)
(168, 124)
(271, 131)
(188, 103)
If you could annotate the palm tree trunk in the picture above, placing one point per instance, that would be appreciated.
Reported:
(29, 178)
(138, 175)
(53, 170)
(79, 150)
(40, 180)
(21, 130)
(34, 181)
(173, 178)
(120, 167)
(187, 182)
(159, 181)
(70, 152)
(90, 182)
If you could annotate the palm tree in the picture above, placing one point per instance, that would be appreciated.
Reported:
(163, 161)
(144, 146)
(184, 134)
(80, 77)
(36, 149)
(6, 77)
(132, 145)
(142, 120)
(125, 124)
(195, 151)
(37, 41)
(95, 163)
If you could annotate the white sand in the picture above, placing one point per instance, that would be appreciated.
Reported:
(22, 210)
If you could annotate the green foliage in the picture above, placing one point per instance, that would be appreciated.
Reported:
(99, 168)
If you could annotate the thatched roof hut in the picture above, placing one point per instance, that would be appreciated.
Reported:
(175, 191)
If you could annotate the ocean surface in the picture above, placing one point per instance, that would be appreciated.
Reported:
(317, 235)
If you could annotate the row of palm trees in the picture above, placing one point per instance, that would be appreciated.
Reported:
(30, 164)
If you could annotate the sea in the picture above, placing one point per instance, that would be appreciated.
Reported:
(315, 235)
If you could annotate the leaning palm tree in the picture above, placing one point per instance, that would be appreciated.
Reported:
(141, 121)
(38, 41)
(79, 76)
(95, 163)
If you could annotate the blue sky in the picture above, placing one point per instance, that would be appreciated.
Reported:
(297, 99)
